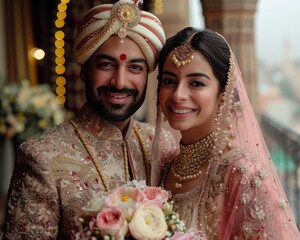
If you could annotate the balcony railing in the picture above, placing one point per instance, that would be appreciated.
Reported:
(284, 146)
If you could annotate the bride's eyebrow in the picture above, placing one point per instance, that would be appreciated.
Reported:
(169, 73)
(198, 75)
(189, 75)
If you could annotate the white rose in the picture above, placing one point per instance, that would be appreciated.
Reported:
(148, 223)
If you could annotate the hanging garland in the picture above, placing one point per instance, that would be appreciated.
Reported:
(60, 51)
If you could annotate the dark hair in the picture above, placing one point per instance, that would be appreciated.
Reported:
(213, 47)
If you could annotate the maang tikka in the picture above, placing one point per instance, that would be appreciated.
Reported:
(183, 54)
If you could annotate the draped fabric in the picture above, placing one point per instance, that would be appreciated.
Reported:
(19, 41)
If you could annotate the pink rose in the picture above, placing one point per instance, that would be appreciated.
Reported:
(110, 221)
(156, 195)
(182, 236)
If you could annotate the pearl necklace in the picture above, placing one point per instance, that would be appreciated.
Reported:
(125, 152)
(191, 159)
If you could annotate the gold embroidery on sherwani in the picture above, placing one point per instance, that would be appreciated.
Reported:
(125, 153)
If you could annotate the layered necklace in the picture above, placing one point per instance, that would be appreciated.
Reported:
(125, 153)
(191, 159)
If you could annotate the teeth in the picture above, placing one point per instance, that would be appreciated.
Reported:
(117, 96)
(182, 111)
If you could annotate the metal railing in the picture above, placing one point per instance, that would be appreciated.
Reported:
(284, 146)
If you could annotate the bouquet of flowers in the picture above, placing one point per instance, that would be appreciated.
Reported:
(27, 111)
(132, 211)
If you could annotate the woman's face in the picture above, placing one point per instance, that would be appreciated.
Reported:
(189, 97)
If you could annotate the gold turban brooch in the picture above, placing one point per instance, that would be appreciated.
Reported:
(124, 19)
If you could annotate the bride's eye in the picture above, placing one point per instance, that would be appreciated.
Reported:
(168, 81)
(197, 84)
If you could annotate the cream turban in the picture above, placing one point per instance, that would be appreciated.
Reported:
(125, 20)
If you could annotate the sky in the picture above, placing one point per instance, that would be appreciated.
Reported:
(277, 24)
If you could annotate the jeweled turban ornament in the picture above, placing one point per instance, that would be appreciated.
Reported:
(128, 13)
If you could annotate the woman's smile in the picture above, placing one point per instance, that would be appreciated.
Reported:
(180, 111)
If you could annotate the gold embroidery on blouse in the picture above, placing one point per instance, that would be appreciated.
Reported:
(212, 187)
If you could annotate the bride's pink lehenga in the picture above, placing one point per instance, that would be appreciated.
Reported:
(241, 197)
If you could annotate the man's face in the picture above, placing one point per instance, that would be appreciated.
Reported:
(116, 79)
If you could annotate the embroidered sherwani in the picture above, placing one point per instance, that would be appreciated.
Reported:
(54, 176)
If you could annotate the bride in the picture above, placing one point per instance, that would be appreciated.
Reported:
(223, 181)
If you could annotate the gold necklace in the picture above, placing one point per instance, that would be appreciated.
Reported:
(191, 159)
(125, 152)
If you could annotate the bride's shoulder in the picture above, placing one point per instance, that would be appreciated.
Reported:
(237, 155)
(243, 163)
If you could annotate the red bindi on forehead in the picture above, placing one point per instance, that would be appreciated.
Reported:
(123, 56)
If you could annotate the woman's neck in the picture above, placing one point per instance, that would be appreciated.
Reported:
(193, 135)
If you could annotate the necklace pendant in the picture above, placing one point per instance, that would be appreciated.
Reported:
(178, 185)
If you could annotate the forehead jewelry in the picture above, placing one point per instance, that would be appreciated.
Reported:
(128, 13)
(182, 55)
(123, 56)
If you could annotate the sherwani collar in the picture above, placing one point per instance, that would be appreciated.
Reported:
(89, 121)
